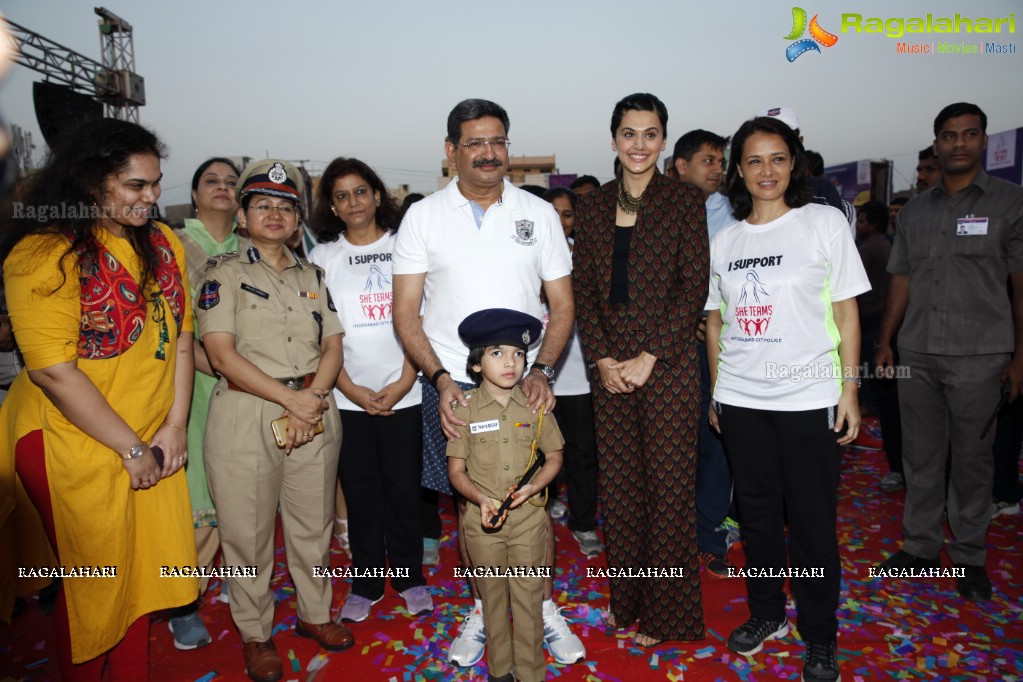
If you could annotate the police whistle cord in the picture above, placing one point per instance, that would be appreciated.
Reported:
(1006, 390)
(536, 460)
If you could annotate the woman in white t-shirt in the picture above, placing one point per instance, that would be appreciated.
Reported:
(574, 412)
(783, 345)
(377, 394)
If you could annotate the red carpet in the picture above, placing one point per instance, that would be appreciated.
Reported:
(890, 629)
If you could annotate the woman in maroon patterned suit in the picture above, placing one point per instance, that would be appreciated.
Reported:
(640, 279)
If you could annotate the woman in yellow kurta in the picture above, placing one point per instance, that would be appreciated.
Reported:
(101, 311)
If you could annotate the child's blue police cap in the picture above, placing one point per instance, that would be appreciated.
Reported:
(500, 327)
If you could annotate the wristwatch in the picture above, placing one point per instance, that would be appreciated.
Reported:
(134, 452)
(546, 370)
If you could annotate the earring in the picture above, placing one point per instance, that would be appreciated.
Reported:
(334, 211)
(378, 202)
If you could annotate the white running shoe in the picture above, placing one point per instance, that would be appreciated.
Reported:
(589, 543)
(564, 646)
(225, 596)
(1001, 508)
(467, 648)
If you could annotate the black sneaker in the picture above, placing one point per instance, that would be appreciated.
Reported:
(903, 559)
(975, 585)
(749, 638)
(820, 663)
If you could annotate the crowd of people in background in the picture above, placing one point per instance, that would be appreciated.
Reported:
(689, 350)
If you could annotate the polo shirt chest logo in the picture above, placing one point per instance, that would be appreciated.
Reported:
(524, 233)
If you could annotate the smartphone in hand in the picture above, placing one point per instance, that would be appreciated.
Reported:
(279, 427)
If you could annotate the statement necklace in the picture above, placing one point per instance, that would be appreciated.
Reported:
(627, 202)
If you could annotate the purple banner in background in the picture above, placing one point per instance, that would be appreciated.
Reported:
(1004, 155)
(563, 180)
(850, 178)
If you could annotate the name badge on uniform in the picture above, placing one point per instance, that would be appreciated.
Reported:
(968, 227)
(482, 427)
(253, 290)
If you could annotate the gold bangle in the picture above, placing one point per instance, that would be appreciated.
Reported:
(175, 426)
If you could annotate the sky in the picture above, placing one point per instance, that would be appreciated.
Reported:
(375, 79)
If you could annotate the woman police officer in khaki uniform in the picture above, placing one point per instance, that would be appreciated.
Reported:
(271, 333)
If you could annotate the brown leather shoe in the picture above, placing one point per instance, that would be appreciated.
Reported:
(262, 664)
(330, 635)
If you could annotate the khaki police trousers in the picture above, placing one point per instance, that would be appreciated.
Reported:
(249, 477)
(520, 542)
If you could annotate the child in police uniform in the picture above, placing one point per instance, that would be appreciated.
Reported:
(484, 465)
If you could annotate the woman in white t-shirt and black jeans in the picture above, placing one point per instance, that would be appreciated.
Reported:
(377, 392)
(783, 343)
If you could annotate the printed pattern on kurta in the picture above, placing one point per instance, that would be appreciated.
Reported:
(99, 519)
(647, 439)
(114, 309)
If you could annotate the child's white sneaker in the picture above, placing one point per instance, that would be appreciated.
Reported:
(564, 646)
(468, 647)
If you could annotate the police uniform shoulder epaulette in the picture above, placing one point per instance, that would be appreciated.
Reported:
(213, 261)
(307, 264)
(470, 394)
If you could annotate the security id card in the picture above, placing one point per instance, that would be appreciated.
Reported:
(969, 227)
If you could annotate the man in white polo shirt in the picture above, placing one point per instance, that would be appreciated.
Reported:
(479, 243)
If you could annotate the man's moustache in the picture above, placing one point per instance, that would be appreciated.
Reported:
(479, 163)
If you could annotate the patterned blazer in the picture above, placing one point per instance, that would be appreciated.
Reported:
(668, 269)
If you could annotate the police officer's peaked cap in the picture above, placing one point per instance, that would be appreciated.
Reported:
(272, 177)
(500, 327)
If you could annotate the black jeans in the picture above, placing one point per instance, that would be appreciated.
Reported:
(380, 469)
(429, 514)
(575, 418)
(788, 462)
(884, 393)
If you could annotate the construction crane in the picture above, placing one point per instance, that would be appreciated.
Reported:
(112, 81)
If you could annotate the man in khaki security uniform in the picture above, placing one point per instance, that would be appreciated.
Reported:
(271, 333)
(484, 465)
